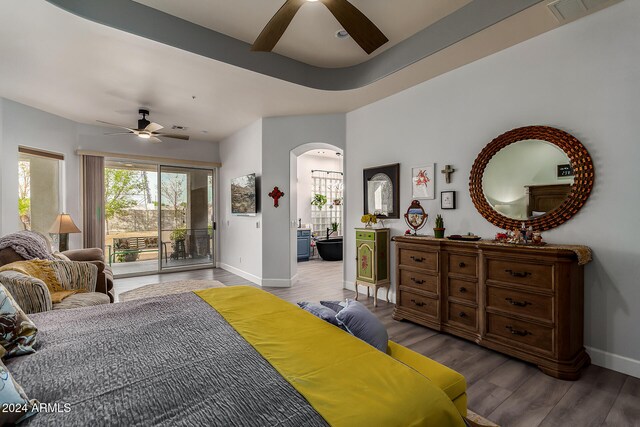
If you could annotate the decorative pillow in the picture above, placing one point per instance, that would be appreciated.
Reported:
(16, 406)
(320, 311)
(334, 305)
(17, 331)
(60, 256)
(363, 324)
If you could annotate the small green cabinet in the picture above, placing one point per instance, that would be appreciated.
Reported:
(372, 257)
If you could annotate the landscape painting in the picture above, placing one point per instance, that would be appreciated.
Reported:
(243, 195)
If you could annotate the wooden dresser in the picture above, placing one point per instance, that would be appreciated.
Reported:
(524, 302)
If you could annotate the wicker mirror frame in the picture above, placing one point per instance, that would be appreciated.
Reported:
(581, 163)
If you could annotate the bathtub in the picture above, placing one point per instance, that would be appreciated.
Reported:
(330, 250)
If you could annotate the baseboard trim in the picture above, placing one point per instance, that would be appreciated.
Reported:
(277, 283)
(231, 269)
(615, 362)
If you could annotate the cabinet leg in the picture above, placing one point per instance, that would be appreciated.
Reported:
(375, 296)
(388, 293)
(356, 298)
(367, 292)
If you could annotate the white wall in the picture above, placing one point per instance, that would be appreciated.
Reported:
(306, 163)
(280, 136)
(1, 157)
(582, 78)
(240, 236)
(23, 125)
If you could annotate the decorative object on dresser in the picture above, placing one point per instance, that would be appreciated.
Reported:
(372, 260)
(423, 182)
(506, 173)
(523, 301)
(382, 191)
(438, 230)
(416, 217)
(447, 199)
(368, 220)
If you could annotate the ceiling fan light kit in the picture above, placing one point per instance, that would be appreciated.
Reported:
(355, 23)
(146, 129)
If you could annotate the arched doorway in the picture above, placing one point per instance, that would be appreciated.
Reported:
(311, 173)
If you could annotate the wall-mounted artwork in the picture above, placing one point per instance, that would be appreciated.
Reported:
(423, 182)
(382, 191)
(448, 199)
(243, 195)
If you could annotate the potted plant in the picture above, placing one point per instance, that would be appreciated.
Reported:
(319, 200)
(438, 231)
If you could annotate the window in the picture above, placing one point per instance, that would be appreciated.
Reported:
(39, 189)
(326, 184)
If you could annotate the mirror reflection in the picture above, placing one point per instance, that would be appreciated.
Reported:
(527, 179)
(380, 194)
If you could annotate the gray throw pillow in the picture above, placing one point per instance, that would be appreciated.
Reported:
(362, 323)
(320, 311)
(334, 305)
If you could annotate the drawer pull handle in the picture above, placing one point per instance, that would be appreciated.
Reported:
(418, 303)
(417, 281)
(462, 265)
(463, 314)
(518, 332)
(417, 259)
(518, 303)
(518, 273)
(462, 289)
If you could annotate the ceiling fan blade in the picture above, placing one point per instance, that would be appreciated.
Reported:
(119, 133)
(118, 126)
(276, 27)
(154, 140)
(359, 27)
(153, 127)
(171, 135)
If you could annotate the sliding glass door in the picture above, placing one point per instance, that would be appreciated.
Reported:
(186, 217)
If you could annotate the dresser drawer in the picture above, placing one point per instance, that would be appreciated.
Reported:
(518, 302)
(462, 289)
(426, 282)
(538, 275)
(365, 235)
(419, 259)
(419, 303)
(462, 314)
(463, 264)
(517, 331)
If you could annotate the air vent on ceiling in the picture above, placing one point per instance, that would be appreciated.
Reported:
(178, 127)
(568, 10)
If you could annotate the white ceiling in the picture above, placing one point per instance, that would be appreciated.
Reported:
(310, 37)
(63, 64)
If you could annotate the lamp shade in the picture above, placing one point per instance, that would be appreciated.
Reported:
(63, 224)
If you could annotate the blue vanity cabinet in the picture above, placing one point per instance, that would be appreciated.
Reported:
(304, 245)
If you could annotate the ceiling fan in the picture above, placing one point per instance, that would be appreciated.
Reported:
(146, 129)
(359, 27)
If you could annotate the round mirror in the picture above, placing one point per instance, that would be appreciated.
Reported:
(415, 217)
(525, 180)
(536, 174)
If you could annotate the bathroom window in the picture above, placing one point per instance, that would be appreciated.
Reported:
(327, 184)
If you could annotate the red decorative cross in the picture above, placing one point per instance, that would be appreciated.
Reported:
(276, 194)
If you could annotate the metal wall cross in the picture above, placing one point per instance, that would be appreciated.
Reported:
(447, 171)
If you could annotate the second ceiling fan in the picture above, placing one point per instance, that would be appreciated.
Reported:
(360, 28)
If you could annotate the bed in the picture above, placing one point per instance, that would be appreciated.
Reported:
(225, 356)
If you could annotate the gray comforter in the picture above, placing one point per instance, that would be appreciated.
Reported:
(161, 361)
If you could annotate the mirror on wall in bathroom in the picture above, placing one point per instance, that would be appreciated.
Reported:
(381, 191)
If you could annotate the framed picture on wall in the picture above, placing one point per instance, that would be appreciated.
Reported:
(382, 191)
(423, 182)
(448, 200)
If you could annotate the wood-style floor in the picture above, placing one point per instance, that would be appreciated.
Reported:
(502, 389)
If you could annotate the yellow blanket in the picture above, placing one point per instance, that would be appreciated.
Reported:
(41, 269)
(347, 381)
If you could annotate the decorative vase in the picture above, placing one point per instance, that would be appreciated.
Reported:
(439, 232)
(368, 225)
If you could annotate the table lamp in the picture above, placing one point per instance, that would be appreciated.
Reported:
(63, 225)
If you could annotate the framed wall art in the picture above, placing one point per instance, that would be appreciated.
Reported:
(382, 191)
(448, 200)
(423, 182)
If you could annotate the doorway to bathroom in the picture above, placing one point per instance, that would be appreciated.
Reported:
(319, 214)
